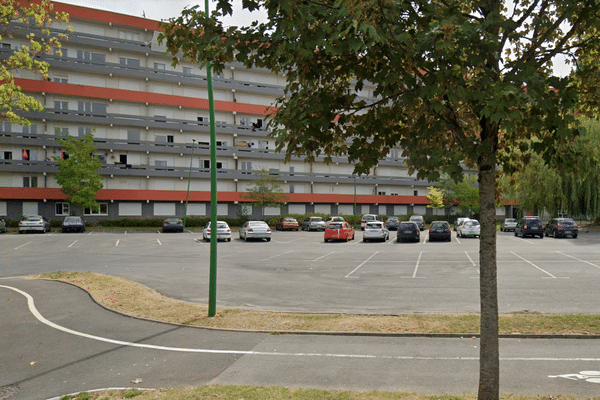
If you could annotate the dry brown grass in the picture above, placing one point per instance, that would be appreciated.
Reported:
(135, 299)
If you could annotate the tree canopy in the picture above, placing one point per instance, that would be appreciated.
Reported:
(77, 168)
(452, 83)
(31, 20)
(266, 190)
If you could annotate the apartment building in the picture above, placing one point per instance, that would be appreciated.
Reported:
(151, 127)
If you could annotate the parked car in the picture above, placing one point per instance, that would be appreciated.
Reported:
(469, 227)
(418, 219)
(440, 230)
(313, 224)
(255, 230)
(509, 224)
(392, 223)
(367, 218)
(376, 231)
(3, 226)
(223, 231)
(334, 219)
(530, 226)
(459, 221)
(561, 227)
(73, 224)
(34, 223)
(172, 224)
(339, 231)
(408, 230)
(287, 224)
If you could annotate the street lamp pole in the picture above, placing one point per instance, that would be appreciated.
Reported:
(354, 201)
(188, 185)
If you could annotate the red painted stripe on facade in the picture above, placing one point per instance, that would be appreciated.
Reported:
(41, 194)
(96, 92)
(105, 16)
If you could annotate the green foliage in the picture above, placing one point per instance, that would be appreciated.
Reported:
(464, 194)
(21, 16)
(266, 190)
(77, 174)
(435, 197)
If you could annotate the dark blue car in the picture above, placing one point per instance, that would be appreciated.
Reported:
(408, 230)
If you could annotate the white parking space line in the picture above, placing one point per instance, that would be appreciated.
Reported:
(23, 245)
(578, 259)
(532, 264)
(159, 242)
(276, 255)
(328, 254)
(116, 244)
(470, 259)
(414, 275)
(363, 263)
(72, 243)
(456, 237)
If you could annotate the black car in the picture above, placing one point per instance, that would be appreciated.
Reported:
(172, 224)
(530, 226)
(392, 223)
(440, 230)
(73, 224)
(561, 227)
(408, 230)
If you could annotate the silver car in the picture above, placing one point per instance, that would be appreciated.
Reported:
(469, 227)
(375, 231)
(509, 224)
(314, 224)
(34, 223)
(223, 231)
(255, 230)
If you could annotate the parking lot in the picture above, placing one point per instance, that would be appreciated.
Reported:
(298, 271)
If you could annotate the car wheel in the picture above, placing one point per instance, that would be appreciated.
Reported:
(541, 236)
(268, 239)
(347, 238)
(574, 236)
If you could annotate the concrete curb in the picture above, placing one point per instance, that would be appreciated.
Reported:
(327, 333)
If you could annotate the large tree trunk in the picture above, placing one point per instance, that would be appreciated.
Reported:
(489, 362)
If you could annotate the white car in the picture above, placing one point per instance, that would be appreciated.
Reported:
(223, 231)
(34, 223)
(366, 219)
(255, 230)
(376, 231)
(469, 227)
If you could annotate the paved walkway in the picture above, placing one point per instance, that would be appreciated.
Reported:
(57, 341)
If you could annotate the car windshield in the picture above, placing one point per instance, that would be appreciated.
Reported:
(31, 218)
(172, 220)
(567, 222)
(511, 220)
(334, 225)
(221, 225)
(416, 218)
(368, 217)
(439, 225)
(374, 226)
(406, 225)
(72, 219)
(472, 223)
(316, 219)
(289, 220)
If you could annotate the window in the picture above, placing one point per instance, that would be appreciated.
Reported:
(160, 164)
(170, 139)
(7, 127)
(133, 137)
(8, 155)
(61, 107)
(102, 210)
(160, 118)
(292, 188)
(62, 209)
(91, 109)
(31, 129)
(129, 35)
(60, 80)
(84, 130)
(88, 56)
(188, 70)
(381, 193)
(30, 182)
(416, 192)
(61, 130)
(5, 46)
(130, 62)
(160, 66)
(246, 166)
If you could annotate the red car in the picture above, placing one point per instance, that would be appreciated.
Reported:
(287, 224)
(339, 231)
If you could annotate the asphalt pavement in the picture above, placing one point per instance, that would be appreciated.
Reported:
(57, 341)
(61, 342)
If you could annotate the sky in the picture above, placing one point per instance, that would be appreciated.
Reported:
(167, 9)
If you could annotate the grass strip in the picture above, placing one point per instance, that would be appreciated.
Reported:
(135, 299)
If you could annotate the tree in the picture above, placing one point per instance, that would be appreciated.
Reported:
(266, 190)
(455, 83)
(28, 17)
(464, 194)
(435, 197)
(77, 168)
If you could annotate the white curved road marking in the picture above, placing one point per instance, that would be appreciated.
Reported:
(43, 320)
